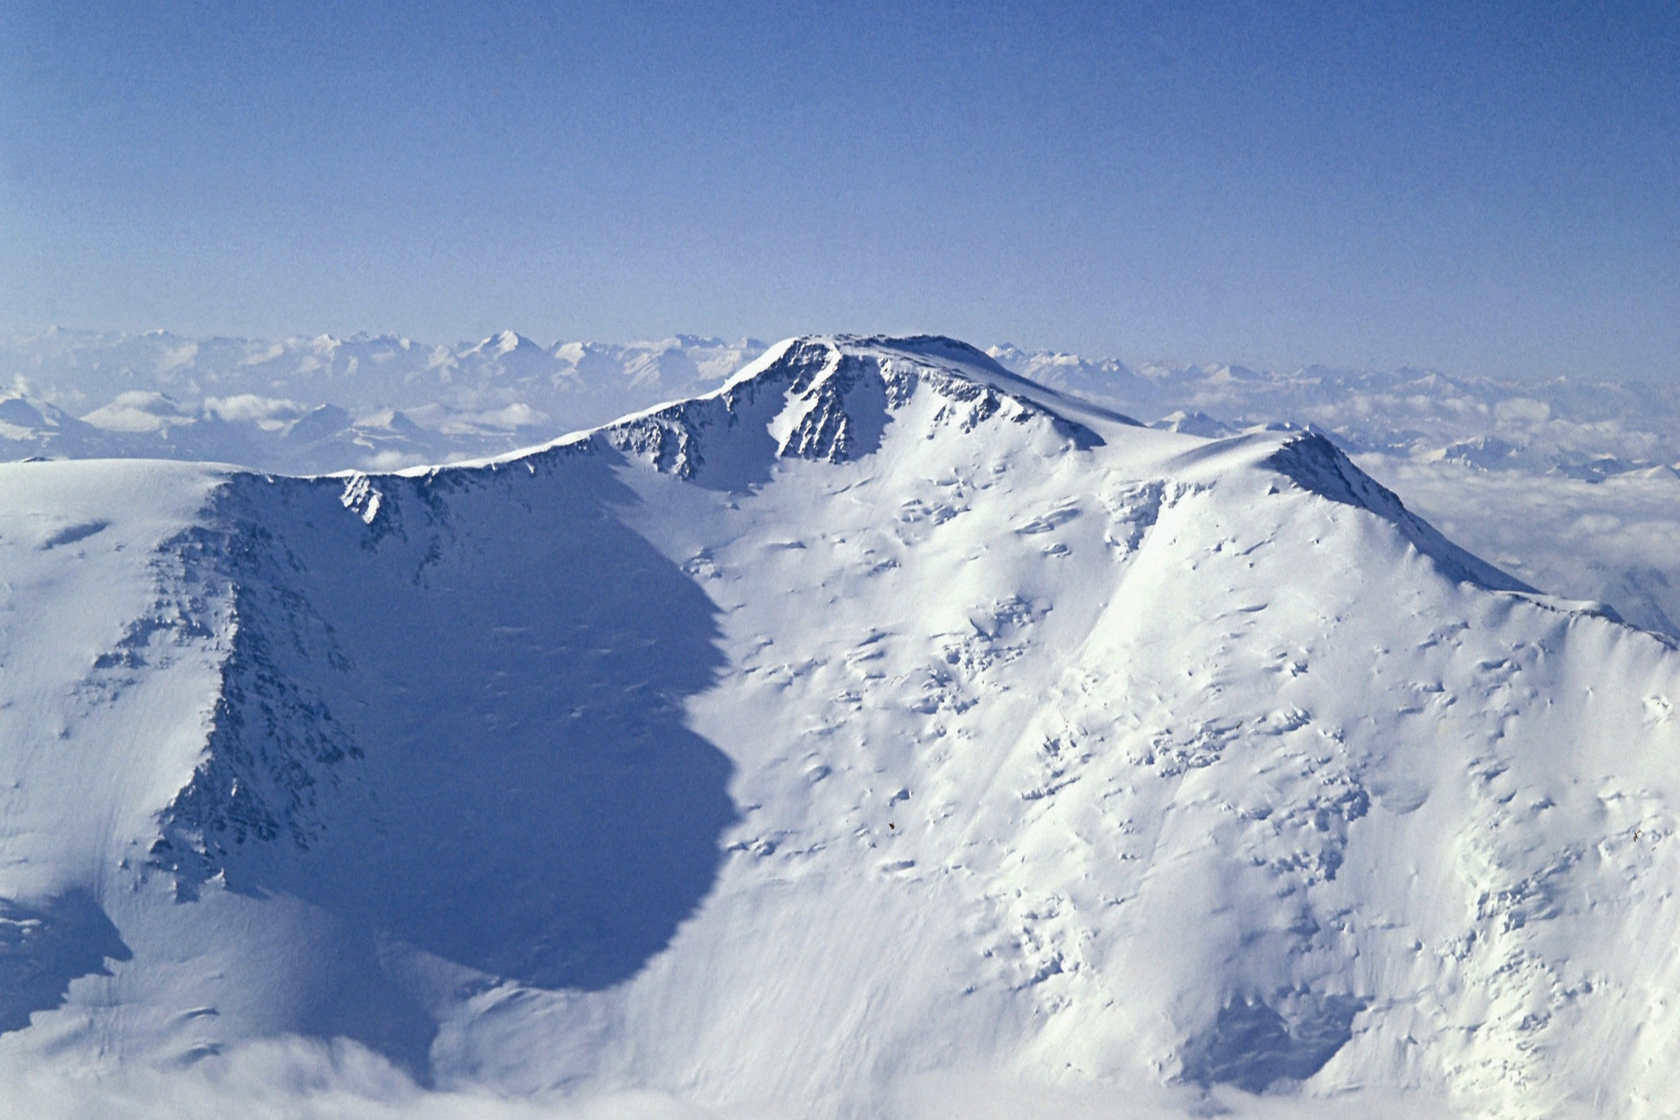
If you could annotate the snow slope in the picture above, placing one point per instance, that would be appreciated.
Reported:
(881, 734)
(1570, 482)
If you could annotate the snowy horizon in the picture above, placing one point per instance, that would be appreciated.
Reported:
(19, 337)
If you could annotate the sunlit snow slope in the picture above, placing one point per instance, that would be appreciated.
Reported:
(878, 724)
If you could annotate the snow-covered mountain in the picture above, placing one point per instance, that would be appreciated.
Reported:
(880, 734)
(1571, 484)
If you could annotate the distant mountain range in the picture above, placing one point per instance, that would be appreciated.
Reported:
(324, 404)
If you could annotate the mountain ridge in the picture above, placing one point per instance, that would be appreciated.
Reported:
(1569, 484)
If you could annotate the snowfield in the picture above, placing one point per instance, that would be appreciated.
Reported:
(881, 734)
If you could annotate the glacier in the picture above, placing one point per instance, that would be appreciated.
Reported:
(880, 733)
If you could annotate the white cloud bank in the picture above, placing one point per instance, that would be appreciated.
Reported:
(299, 1079)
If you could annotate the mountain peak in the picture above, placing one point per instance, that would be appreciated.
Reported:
(938, 355)
(831, 397)
(503, 343)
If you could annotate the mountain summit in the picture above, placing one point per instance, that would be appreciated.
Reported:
(879, 723)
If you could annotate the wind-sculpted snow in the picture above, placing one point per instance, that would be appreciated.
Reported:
(876, 732)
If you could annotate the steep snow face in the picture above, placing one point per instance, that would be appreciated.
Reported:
(876, 722)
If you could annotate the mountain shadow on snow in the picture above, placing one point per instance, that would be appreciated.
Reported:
(45, 946)
(452, 719)
(1252, 1046)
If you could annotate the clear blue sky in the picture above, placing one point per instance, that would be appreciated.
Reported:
(1484, 188)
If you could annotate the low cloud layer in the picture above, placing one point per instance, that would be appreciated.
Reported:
(297, 1079)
